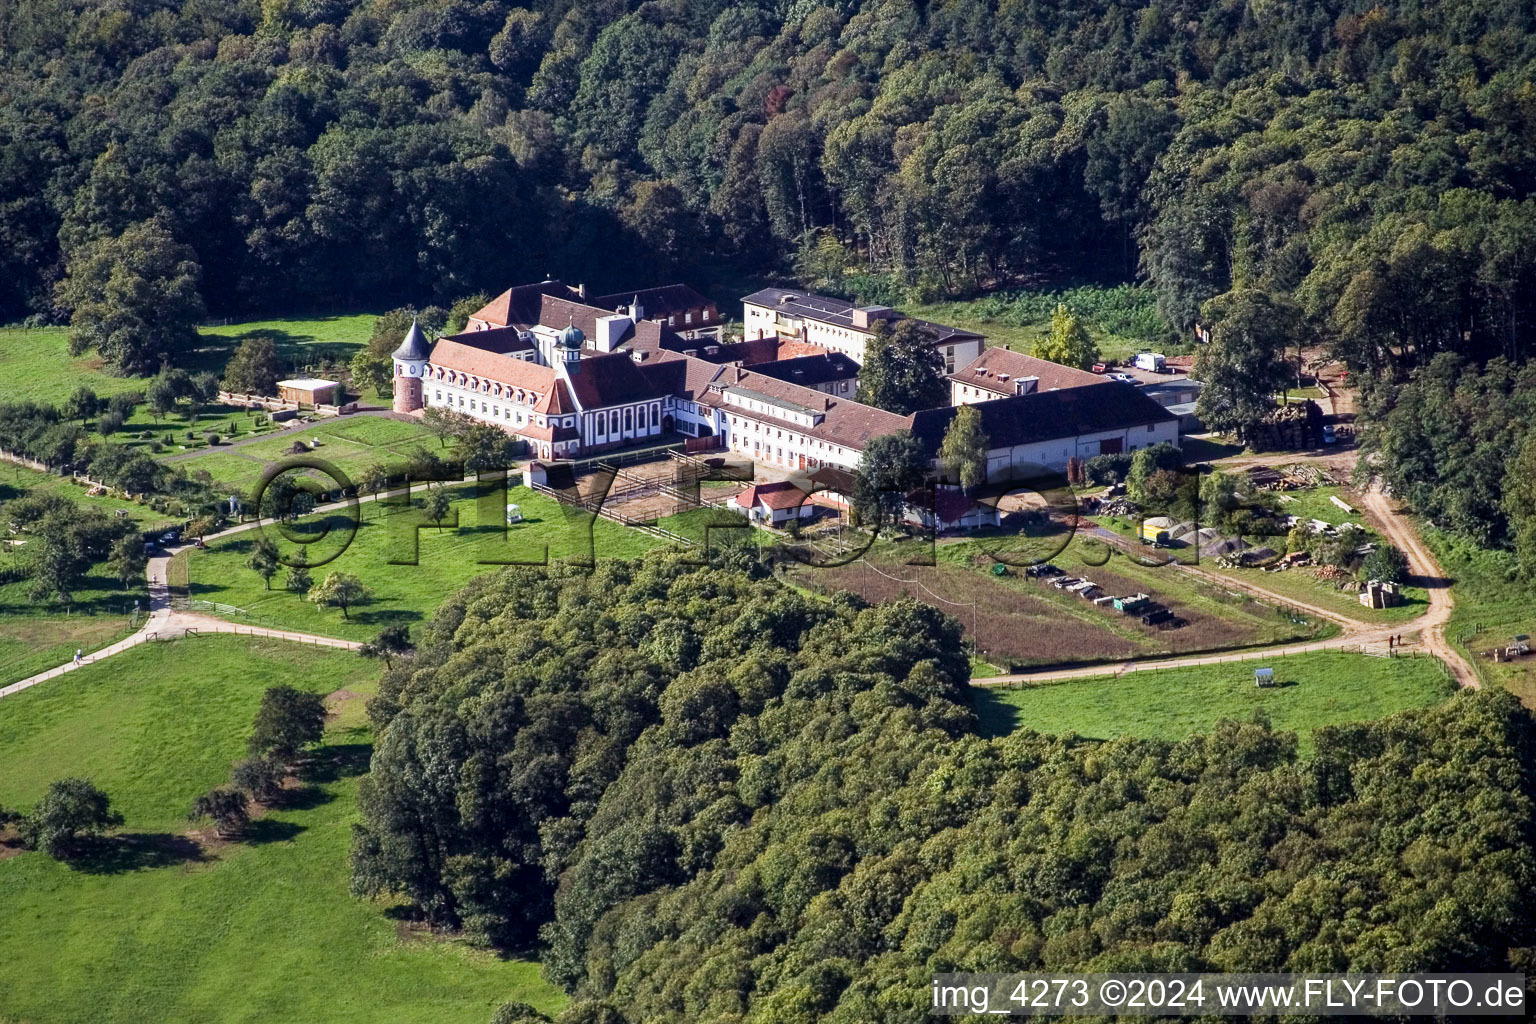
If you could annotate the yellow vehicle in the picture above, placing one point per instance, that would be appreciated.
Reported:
(1153, 534)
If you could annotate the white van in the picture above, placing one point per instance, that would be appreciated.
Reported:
(1152, 361)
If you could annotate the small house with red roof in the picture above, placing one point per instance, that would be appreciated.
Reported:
(774, 503)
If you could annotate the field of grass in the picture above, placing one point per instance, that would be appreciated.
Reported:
(713, 527)
(447, 558)
(264, 930)
(1493, 605)
(1298, 584)
(349, 443)
(37, 635)
(17, 480)
(301, 342)
(1019, 324)
(1208, 449)
(36, 363)
(1311, 690)
(1316, 503)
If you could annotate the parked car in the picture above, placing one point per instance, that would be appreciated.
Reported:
(1127, 378)
(1329, 437)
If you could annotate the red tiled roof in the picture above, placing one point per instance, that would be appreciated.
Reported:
(845, 423)
(453, 354)
(779, 495)
(657, 303)
(602, 380)
(519, 304)
(982, 372)
(556, 401)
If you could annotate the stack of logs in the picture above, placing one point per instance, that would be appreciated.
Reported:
(1295, 426)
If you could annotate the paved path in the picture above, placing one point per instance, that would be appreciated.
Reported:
(166, 623)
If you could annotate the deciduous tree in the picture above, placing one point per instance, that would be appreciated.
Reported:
(72, 811)
(902, 371)
(341, 589)
(134, 299)
(1068, 342)
(287, 721)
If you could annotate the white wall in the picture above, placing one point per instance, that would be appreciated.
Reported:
(1053, 454)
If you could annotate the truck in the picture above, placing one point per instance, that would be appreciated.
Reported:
(1153, 534)
(1152, 361)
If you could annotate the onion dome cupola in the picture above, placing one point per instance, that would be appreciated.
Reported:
(572, 338)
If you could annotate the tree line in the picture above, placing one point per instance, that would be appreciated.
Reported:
(701, 795)
(1372, 167)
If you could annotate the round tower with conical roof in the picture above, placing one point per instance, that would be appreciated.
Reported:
(410, 369)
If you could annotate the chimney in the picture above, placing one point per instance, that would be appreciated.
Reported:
(1026, 385)
(581, 292)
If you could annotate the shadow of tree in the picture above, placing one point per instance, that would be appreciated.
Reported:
(337, 761)
(304, 798)
(134, 851)
(265, 830)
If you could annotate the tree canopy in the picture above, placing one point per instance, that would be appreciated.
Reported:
(902, 372)
(715, 798)
(1374, 164)
(1068, 342)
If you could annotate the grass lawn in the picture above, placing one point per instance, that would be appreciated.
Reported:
(301, 342)
(37, 635)
(1316, 503)
(37, 365)
(447, 558)
(971, 316)
(236, 473)
(1493, 605)
(1208, 448)
(17, 480)
(1312, 690)
(350, 443)
(258, 931)
(1298, 584)
(714, 527)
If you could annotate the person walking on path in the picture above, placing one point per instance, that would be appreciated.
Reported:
(78, 651)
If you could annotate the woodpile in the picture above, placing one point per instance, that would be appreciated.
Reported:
(1333, 574)
(1295, 426)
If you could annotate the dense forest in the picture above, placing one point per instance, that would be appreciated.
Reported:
(702, 796)
(1347, 172)
(1371, 162)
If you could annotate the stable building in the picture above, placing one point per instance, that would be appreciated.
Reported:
(1029, 435)
(1003, 373)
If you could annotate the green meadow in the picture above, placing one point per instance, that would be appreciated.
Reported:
(1310, 691)
(157, 928)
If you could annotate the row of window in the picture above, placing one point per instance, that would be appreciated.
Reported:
(810, 442)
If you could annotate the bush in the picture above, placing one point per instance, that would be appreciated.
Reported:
(261, 777)
(212, 438)
(71, 811)
(1107, 469)
(1385, 563)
